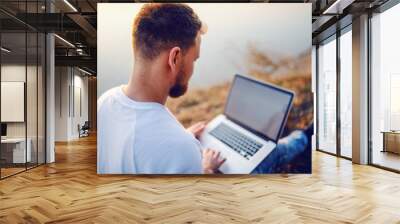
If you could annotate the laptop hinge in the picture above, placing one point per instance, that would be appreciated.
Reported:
(265, 138)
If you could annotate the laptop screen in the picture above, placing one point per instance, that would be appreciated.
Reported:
(260, 107)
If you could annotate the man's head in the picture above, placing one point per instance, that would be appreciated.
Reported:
(168, 36)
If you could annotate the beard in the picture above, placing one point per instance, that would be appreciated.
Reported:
(179, 88)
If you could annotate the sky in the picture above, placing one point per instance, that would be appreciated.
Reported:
(278, 29)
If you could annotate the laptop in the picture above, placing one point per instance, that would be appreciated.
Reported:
(254, 117)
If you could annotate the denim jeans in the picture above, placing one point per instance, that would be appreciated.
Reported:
(285, 151)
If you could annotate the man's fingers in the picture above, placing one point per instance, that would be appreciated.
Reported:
(221, 162)
(209, 152)
(197, 128)
(201, 127)
(217, 154)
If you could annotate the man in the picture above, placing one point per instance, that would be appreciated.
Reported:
(137, 133)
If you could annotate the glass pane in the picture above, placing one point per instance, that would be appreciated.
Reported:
(385, 84)
(327, 97)
(13, 88)
(41, 98)
(31, 100)
(313, 80)
(346, 94)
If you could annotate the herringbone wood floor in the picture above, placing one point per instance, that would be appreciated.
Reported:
(70, 191)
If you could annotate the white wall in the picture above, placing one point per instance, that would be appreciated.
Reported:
(69, 81)
(61, 103)
(80, 83)
(33, 126)
(15, 72)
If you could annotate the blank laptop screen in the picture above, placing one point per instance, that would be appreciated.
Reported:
(258, 106)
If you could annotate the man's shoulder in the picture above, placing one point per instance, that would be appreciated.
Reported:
(109, 94)
(166, 129)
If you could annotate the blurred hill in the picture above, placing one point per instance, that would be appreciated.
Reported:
(293, 73)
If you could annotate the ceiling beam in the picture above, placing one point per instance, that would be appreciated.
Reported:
(84, 24)
(82, 61)
(338, 6)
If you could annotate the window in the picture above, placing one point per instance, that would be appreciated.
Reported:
(327, 96)
(394, 102)
(346, 93)
(385, 89)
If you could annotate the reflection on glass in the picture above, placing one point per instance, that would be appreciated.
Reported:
(41, 98)
(394, 101)
(31, 101)
(22, 91)
(346, 94)
(14, 146)
(385, 89)
(327, 97)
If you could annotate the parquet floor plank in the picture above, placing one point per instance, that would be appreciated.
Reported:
(70, 191)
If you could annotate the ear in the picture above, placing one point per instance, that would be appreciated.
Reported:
(174, 59)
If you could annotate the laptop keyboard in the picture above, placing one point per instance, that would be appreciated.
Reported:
(237, 141)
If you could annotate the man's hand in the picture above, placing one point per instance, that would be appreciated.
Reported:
(211, 161)
(197, 128)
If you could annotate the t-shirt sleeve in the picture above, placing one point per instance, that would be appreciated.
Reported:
(178, 156)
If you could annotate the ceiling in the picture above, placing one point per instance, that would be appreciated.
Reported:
(76, 22)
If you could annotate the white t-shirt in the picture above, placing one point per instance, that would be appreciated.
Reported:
(142, 138)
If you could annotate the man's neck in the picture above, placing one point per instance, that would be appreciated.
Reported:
(144, 90)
